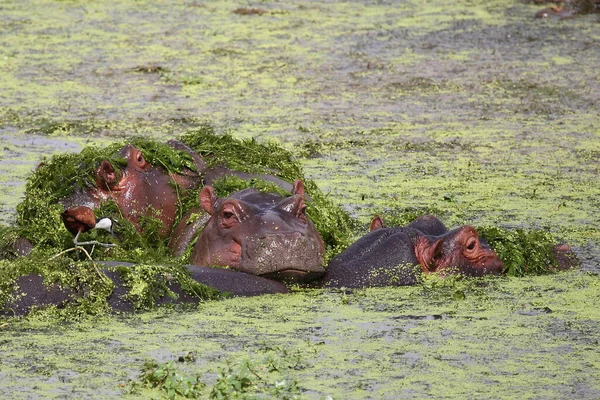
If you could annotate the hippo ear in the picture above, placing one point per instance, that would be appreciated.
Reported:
(299, 209)
(298, 187)
(208, 198)
(180, 146)
(376, 223)
(432, 255)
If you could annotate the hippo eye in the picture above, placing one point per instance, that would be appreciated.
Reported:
(471, 244)
(228, 217)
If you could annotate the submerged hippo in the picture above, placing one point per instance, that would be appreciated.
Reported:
(30, 291)
(566, 9)
(262, 234)
(397, 256)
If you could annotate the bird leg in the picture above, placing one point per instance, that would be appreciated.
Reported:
(93, 242)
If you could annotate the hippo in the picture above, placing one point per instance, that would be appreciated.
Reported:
(142, 190)
(139, 189)
(262, 234)
(566, 9)
(31, 290)
(398, 256)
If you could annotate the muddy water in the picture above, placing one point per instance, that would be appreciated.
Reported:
(475, 111)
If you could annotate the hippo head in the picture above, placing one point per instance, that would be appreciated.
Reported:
(261, 234)
(460, 249)
(141, 189)
(111, 179)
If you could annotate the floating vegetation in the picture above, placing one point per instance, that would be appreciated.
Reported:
(523, 251)
(265, 373)
(166, 378)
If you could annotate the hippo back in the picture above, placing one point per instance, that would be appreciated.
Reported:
(384, 257)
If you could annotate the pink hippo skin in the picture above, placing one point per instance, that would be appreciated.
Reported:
(139, 189)
(261, 234)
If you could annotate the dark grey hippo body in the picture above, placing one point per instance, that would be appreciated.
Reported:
(384, 257)
(398, 256)
(32, 292)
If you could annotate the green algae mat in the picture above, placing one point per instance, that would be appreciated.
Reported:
(474, 111)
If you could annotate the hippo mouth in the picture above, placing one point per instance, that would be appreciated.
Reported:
(292, 275)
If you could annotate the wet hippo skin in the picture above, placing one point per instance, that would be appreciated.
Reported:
(31, 291)
(262, 234)
(398, 256)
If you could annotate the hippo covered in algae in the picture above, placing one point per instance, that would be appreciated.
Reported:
(141, 189)
(138, 188)
(259, 233)
(30, 291)
(147, 187)
(130, 182)
(398, 256)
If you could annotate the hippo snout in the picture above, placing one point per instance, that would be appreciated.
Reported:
(291, 256)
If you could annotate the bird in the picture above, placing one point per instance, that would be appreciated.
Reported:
(81, 219)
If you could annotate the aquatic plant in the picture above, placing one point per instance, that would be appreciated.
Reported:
(264, 373)
(164, 377)
(258, 375)
(523, 251)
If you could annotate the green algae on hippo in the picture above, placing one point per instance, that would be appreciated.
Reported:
(262, 234)
(181, 285)
(141, 184)
(147, 187)
(139, 188)
(398, 256)
(148, 171)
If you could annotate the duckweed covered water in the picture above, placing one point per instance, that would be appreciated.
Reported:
(473, 111)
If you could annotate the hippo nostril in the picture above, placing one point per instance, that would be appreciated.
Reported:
(267, 240)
